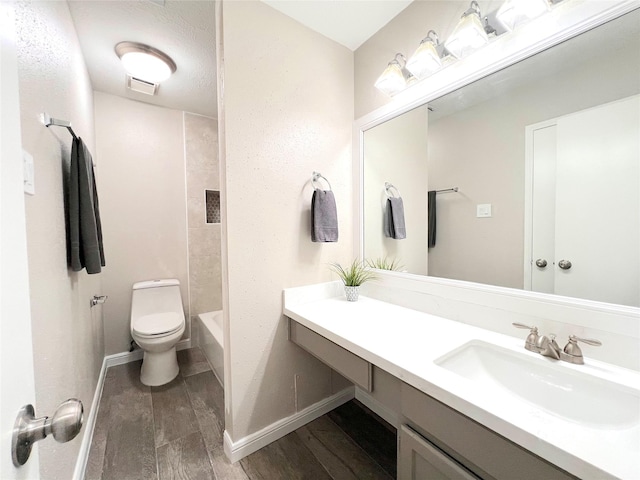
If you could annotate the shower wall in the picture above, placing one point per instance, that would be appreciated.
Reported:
(203, 213)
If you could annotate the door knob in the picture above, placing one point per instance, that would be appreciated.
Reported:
(64, 426)
(564, 264)
(541, 262)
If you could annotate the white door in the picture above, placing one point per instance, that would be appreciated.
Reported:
(586, 204)
(544, 212)
(598, 203)
(16, 356)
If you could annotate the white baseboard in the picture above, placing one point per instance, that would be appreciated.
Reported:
(89, 426)
(378, 408)
(127, 357)
(245, 446)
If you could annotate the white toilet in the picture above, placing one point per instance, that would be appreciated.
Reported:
(157, 324)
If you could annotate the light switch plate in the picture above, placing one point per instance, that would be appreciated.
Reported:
(483, 210)
(28, 173)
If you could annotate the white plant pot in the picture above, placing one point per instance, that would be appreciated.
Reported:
(351, 293)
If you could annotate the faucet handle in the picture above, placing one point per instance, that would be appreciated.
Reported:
(522, 325)
(574, 352)
(588, 341)
(532, 338)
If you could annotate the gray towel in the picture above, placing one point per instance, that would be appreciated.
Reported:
(85, 229)
(394, 226)
(431, 213)
(324, 217)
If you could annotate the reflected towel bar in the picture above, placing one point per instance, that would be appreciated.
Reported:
(49, 121)
(445, 190)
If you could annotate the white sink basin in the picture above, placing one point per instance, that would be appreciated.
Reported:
(549, 385)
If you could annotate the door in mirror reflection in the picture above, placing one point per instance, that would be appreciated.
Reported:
(585, 204)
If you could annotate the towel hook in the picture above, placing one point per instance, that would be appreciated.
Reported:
(388, 186)
(315, 179)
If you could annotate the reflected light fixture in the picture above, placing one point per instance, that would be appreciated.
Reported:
(469, 34)
(395, 77)
(426, 59)
(144, 62)
(515, 12)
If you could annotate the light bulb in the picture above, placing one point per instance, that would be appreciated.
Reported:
(392, 80)
(516, 12)
(425, 60)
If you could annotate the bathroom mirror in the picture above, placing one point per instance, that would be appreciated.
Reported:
(545, 157)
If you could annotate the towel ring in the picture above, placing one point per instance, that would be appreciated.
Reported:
(388, 186)
(315, 179)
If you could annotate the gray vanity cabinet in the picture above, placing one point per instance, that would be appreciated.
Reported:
(472, 446)
(434, 440)
(350, 366)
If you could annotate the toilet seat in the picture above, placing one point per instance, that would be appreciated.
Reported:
(158, 324)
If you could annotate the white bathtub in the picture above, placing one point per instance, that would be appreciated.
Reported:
(210, 340)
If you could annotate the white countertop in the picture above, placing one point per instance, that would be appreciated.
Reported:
(406, 343)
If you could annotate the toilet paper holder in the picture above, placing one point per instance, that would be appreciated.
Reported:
(98, 300)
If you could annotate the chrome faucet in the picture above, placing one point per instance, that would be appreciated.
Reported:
(548, 347)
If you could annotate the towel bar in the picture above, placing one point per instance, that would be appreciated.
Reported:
(445, 190)
(48, 121)
(388, 186)
(315, 179)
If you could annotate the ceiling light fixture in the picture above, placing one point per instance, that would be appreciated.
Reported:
(144, 62)
(515, 12)
(469, 34)
(395, 77)
(427, 57)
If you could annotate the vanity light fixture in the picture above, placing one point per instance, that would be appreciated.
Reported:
(144, 62)
(516, 12)
(427, 58)
(395, 77)
(469, 34)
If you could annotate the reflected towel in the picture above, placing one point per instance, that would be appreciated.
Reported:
(324, 217)
(431, 213)
(394, 226)
(85, 229)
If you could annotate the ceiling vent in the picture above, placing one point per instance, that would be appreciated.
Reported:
(142, 86)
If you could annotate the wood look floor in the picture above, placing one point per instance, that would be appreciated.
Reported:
(175, 432)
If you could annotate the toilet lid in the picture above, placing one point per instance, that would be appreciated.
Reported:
(158, 323)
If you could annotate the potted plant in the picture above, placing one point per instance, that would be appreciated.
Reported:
(353, 276)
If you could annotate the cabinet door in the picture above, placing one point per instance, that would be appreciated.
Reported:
(419, 459)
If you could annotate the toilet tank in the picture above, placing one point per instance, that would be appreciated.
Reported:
(156, 296)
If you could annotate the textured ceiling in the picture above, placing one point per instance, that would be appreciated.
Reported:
(184, 30)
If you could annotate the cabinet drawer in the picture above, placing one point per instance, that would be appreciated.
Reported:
(419, 459)
(481, 450)
(342, 361)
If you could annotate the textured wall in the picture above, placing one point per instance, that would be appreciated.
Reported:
(289, 110)
(201, 157)
(142, 170)
(67, 334)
